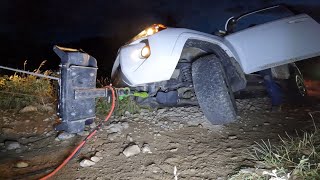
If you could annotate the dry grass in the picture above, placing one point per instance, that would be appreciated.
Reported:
(298, 156)
(295, 157)
(20, 90)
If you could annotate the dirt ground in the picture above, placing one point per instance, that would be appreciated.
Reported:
(177, 137)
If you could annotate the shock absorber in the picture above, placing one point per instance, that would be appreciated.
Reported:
(186, 72)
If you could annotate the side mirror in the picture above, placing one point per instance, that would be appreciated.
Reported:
(229, 26)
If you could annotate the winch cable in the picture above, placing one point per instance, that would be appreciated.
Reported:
(92, 133)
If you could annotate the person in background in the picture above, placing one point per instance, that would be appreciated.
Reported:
(273, 89)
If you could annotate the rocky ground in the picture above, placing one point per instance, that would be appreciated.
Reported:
(161, 144)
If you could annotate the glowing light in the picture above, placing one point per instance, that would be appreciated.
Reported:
(150, 31)
(145, 52)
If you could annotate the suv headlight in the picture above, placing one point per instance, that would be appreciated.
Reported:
(148, 32)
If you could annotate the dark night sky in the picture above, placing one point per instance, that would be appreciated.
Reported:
(66, 20)
(28, 29)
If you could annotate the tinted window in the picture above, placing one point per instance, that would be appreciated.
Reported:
(262, 17)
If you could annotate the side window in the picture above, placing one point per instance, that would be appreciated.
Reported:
(262, 17)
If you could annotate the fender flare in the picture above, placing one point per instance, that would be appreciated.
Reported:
(234, 72)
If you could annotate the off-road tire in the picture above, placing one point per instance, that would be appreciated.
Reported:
(213, 91)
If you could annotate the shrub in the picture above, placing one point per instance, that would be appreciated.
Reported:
(20, 90)
(126, 104)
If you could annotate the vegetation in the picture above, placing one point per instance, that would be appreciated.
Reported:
(123, 105)
(295, 158)
(20, 90)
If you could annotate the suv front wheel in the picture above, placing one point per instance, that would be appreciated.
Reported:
(213, 91)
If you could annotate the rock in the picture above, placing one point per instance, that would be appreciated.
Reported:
(64, 136)
(144, 111)
(86, 163)
(98, 154)
(234, 158)
(181, 126)
(247, 171)
(266, 123)
(46, 108)
(6, 119)
(11, 145)
(232, 137)
(28, 109)
(127, 113)
(172, 160)
(21, 164)
(8, 131)
(166, 168)
(117, 127)
(129, 138)
(146, 149)
(93, 125)
(131, 150)
(173, 150)
(18, 150)
(27, 121)
(95, 159)
(112, 136)
(254, 128)
(45, 120)
(229, 149)
(161, 111)
(83, 133)
(252, 108)
(153, 168)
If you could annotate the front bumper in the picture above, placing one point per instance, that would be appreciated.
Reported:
(119, 79)
(159, 66)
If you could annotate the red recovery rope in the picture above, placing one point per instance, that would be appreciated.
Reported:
(78, 148)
